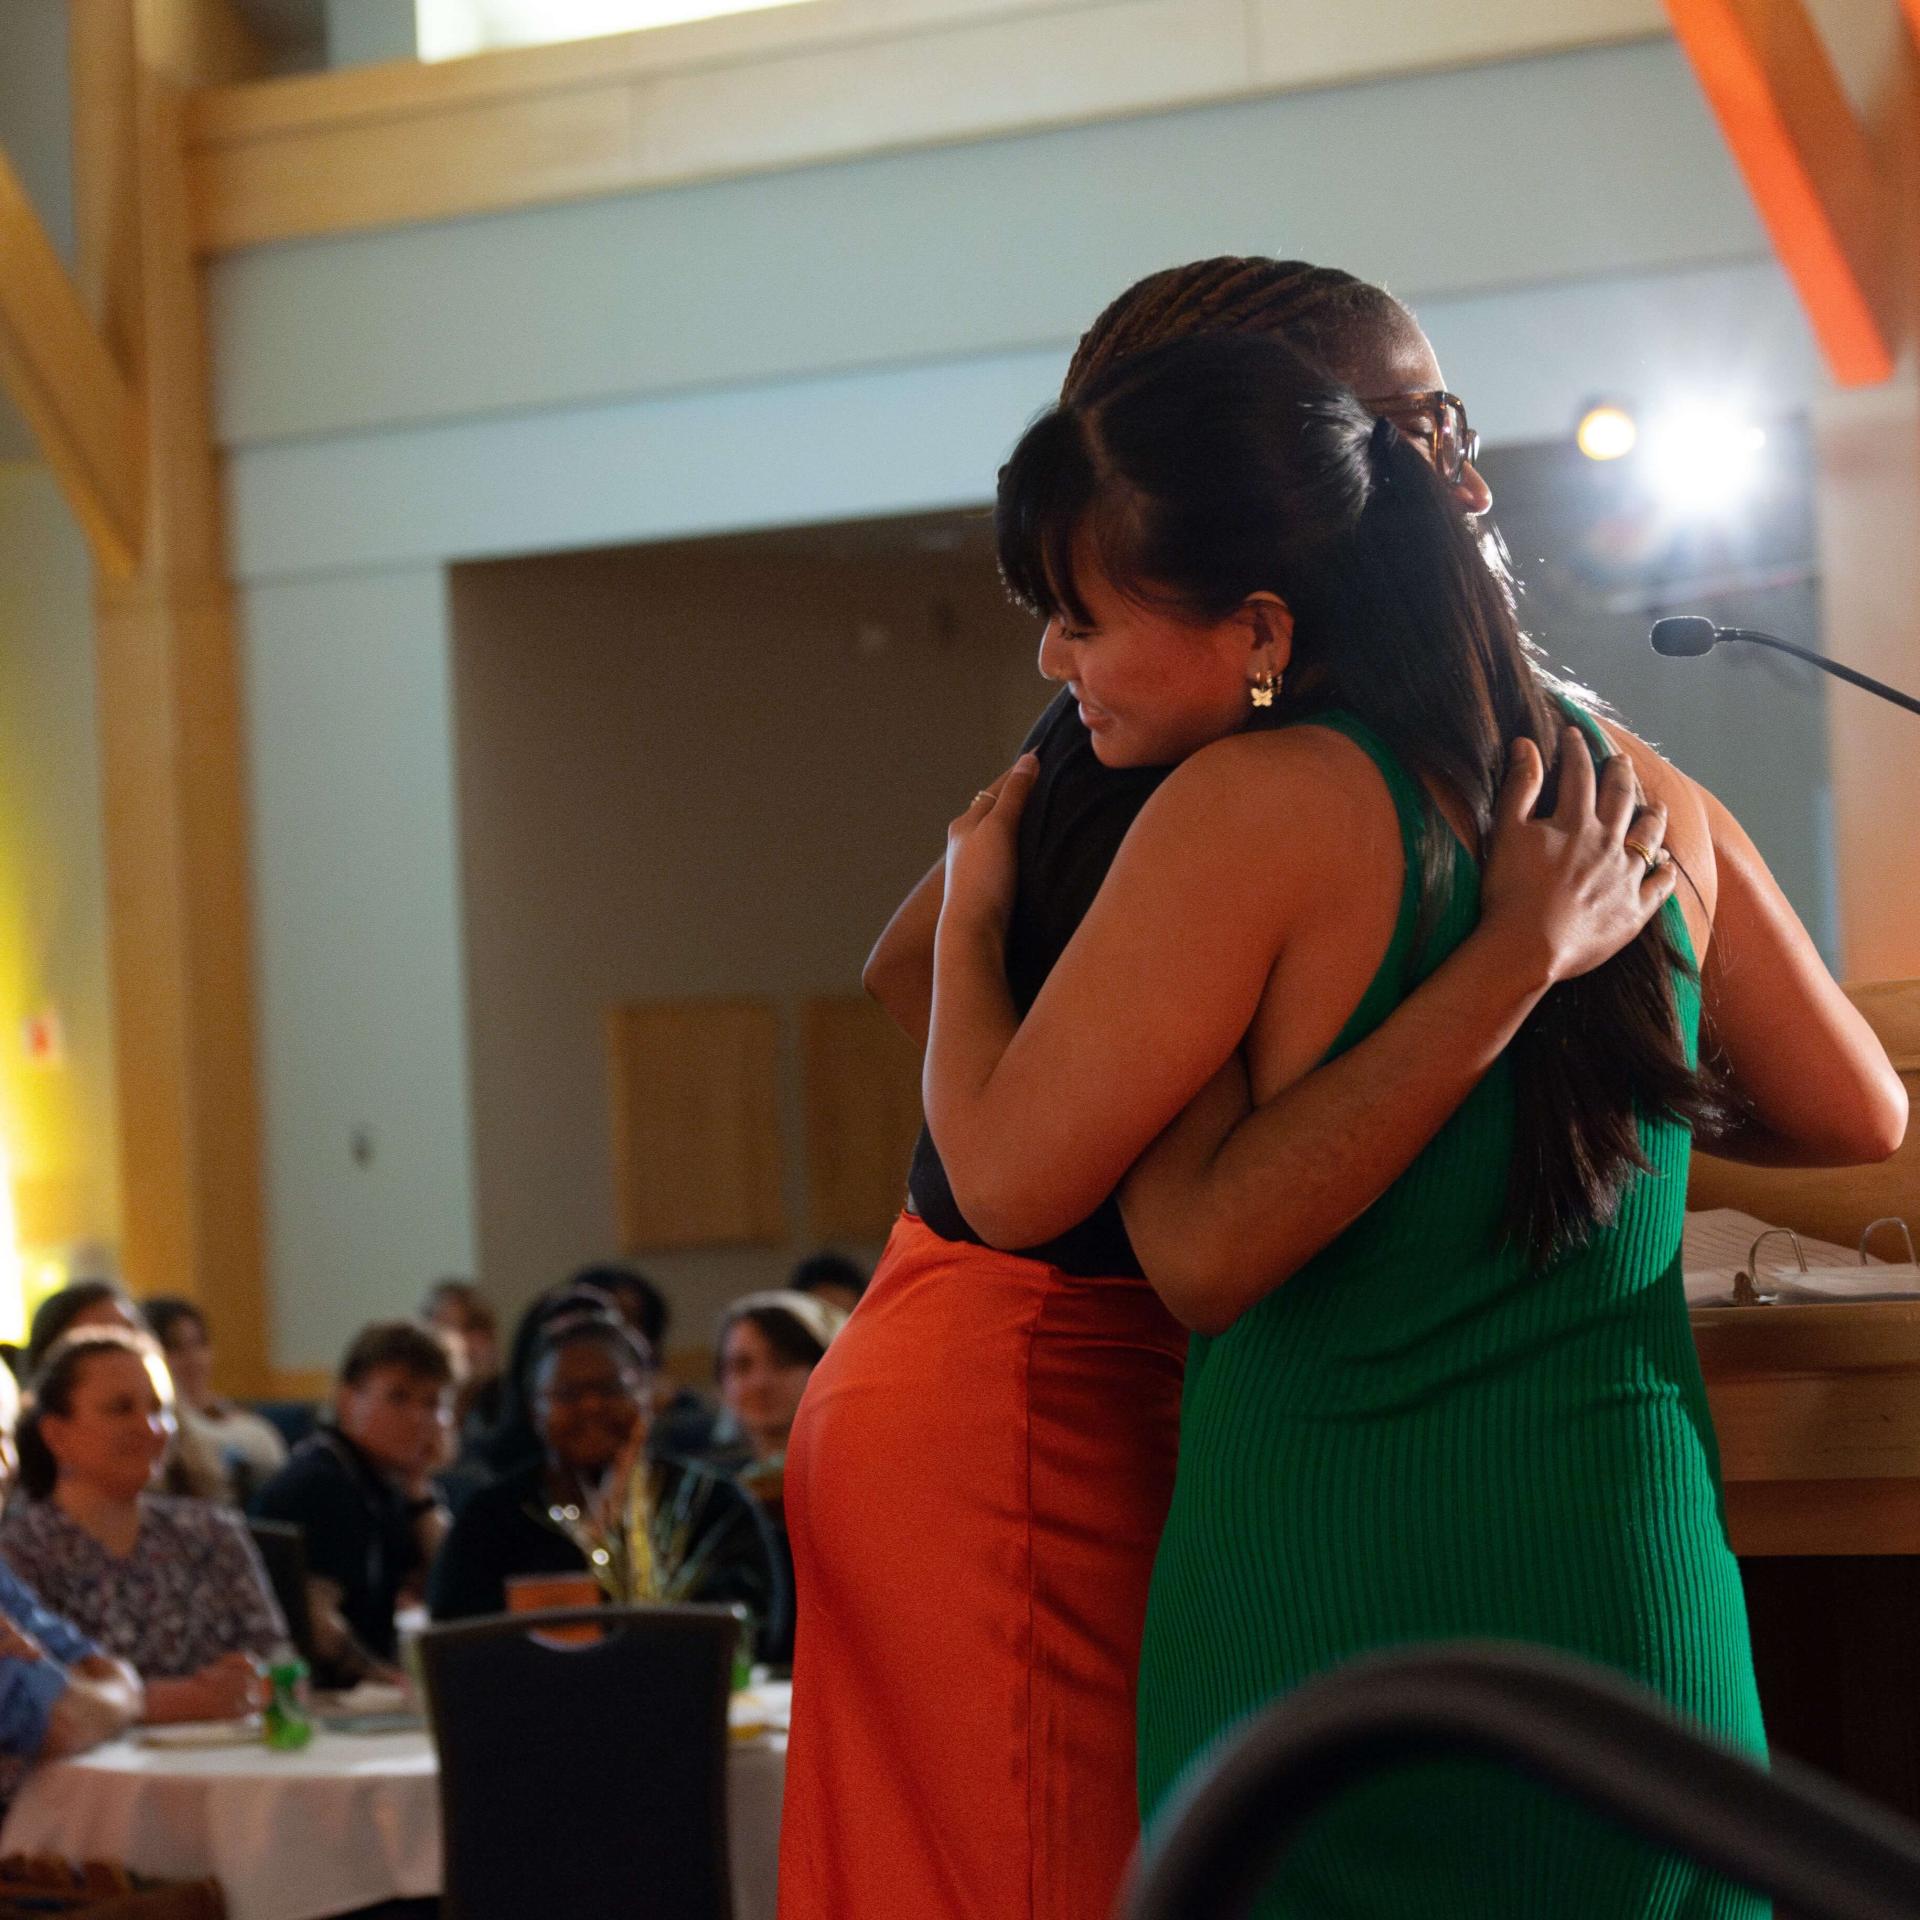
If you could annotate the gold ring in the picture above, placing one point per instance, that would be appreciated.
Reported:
(1653, 856)
(985, 794)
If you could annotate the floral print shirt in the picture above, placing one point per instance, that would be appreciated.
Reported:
(192, 1588)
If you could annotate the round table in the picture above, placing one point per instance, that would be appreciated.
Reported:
(352, 1820)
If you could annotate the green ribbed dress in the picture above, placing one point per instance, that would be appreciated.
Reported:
(1415, 1440)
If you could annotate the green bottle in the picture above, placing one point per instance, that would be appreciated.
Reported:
(288, 1725)
(742, 1648)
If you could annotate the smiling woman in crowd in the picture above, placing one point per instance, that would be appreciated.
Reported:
(172, 1586)
(592, 1389)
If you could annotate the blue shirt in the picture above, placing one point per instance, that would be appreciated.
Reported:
(28, 1688)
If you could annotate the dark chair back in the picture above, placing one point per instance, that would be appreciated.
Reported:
(283, 1552)
(1787, 1833)
(588, 1780)
(294, 1419)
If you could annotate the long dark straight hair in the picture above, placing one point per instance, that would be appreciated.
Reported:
(1201, 472)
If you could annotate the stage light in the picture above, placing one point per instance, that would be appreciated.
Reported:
(1606, 432)
(1703, 459)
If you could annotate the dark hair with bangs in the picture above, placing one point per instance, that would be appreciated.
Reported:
(1202, 472)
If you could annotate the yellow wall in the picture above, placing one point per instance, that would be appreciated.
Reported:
(56, 1119)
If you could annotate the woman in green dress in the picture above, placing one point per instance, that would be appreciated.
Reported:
(1457, 1397)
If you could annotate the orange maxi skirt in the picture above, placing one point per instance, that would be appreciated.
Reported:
(975, 1488)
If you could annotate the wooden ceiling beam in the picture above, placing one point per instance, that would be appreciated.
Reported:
(75, 397)
(1810, 166)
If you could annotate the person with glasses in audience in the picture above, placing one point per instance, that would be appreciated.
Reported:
(592, 1394)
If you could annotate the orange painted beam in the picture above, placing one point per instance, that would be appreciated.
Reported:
(1809, 165)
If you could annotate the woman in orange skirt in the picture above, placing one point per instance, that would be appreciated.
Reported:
(976, 1486)
(981, 1469)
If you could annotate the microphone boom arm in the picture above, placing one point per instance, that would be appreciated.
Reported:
(1820, 660)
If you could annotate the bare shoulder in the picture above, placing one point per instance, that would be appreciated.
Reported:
(1273, 819)
(1690, 832)
(1270, 777)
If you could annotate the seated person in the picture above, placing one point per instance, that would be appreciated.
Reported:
(192, 1468)
(79, 1304)
(461, 1315)
(831, 1277)
(362, 1491)
(592, 1390)
(769, 1345)
(513, 1441)
(173, 1586)
(59, 1693)
(683, 1422)
(245, 1449)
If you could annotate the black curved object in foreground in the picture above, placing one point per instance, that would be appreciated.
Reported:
(1789, 1834)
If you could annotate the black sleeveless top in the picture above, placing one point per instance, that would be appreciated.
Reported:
(1076, 816)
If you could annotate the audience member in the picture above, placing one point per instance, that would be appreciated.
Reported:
(246, 1449)
(362, 1490)
(514, 1439)
(59, 1693)
(769, 1345)
(173, 1586)
(192, 1468)
(683, 1421)
(831, 1277)
(460, 1314)
(592, 1389)
(80, 1303)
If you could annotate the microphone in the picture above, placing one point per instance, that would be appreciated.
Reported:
(1686, 635)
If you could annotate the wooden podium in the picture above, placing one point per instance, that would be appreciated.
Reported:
(1817, 1411)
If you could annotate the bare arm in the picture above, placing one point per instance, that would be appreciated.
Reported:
(1818, 1086)
(899, 970)
(226, 1688)
(1228, 1203)
(1037, 1120)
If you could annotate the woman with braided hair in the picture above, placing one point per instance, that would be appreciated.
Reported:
(973, 1566)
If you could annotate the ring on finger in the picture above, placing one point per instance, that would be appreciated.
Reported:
(1654, 856)
(986, 794)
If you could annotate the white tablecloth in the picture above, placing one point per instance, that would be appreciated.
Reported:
(351, 1820)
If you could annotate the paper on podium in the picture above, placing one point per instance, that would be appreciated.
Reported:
(1717, 1243)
